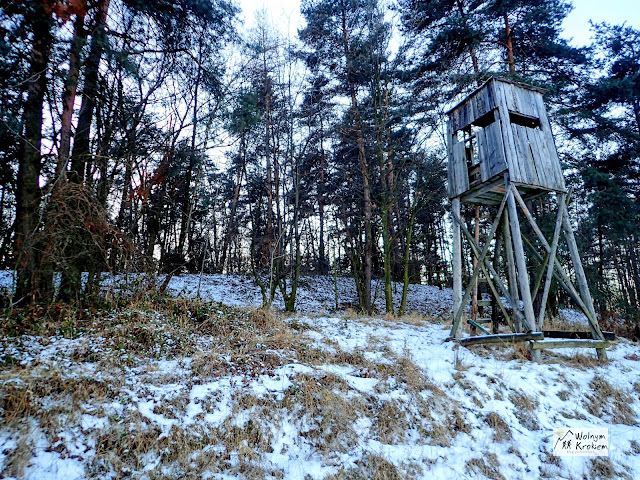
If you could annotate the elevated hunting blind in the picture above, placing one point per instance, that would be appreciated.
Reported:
(502, 154)
(501, 128)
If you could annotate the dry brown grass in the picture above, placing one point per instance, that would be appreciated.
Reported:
(373, 467)
(507, 351)
(559, 323)
(581, 361)
(458, 359)
(439, 417)
(551, 465)
(487, 467)
(39, 398)
(16, 402)
(606, 401)
(525, 409)
(18, 457)
(145, 329)
(601, 468)
(413, 318)
(123, 445)
(391, 422)
(330, 416)
(501, 430)
(408, 373)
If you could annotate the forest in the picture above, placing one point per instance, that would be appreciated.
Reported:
(165, 137)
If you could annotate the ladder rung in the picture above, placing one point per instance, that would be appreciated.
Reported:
(477, 325)
(569, 343)
(483, 320)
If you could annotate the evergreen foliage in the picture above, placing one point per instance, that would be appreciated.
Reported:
(210, 151)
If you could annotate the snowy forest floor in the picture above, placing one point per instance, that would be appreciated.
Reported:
(168, 386)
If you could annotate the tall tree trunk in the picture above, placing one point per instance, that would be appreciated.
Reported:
(323, 264)
(622, 281)
(70, 283)
(634, 271)
(231, 224)
(125, 199)
(472, 51)
(69, 96)
(364, 167)
(34, 281)
(509, 44)
(267, 246)
(89, 94)
(386, 194)
(187, 201)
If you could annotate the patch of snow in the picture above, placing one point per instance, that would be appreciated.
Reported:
(573, 317)
(459, 389)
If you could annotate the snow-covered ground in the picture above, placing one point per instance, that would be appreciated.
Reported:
(179, 389)
(315, 294)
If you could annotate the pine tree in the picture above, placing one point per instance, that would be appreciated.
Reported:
(607, 122)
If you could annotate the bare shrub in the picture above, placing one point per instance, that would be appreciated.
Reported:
(77, 237)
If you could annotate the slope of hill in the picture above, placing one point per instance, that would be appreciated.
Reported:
(166, 387)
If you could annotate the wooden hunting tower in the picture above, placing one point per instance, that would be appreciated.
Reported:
(502, 153)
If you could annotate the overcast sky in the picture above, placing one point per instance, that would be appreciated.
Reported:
(286, 14)
(576, 25)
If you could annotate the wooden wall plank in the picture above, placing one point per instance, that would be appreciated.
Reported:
(524, 157)
(550, 147)
(520, 99)
(502, 118)
(541, 158)
(491, 151)
(529, 154)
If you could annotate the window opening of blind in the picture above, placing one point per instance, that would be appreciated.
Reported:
(524, 120)
(471, 153)
(485, 120)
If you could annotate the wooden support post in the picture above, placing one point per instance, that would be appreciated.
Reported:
(561, 277)
(474, 295)
(566, 281)
(581, 278)
(511, 271)
(551, 257)
(476, 325)
(521, 262)
(486, 265)
(457, 265)
(495, 298)
(480, 265)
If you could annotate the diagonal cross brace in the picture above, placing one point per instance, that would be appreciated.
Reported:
(551, 259)
(483, 264)
(583, 303)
